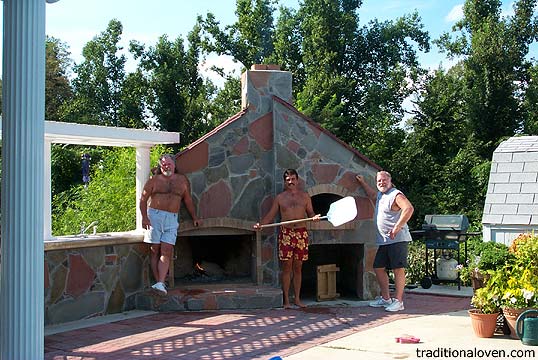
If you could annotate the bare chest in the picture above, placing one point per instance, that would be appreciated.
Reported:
(293, 201)
(169, 186)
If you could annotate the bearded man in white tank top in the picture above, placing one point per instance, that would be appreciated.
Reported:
(392, 212)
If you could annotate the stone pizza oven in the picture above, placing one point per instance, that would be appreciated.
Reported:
(235, 172)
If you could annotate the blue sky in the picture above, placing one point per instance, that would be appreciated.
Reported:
(76, 22)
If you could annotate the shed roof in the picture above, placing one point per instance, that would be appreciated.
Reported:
(512, 196)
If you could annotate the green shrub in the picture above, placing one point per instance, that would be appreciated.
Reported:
(493, 256)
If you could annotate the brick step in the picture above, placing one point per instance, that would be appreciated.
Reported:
(211, 297)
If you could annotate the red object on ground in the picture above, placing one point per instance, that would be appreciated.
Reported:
(407, 339)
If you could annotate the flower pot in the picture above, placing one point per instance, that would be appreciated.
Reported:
(511, 315)
(483, 324)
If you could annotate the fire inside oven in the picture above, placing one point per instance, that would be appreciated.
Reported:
(214, 259)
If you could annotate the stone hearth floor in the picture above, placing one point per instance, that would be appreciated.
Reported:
(234, 334)
(203, 297)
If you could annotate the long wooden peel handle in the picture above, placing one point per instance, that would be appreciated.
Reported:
(290, 222)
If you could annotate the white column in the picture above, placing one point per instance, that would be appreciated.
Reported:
(23, 127)
(47, 189)
(142, 175)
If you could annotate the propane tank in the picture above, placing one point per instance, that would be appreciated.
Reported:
(447, 267)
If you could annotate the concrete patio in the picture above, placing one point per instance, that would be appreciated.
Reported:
(342, 329)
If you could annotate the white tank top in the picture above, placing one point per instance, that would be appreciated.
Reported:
(386, 218)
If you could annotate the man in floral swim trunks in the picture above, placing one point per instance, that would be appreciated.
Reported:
(293, 204)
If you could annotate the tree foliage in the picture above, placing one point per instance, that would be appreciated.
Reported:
(110, 197)
(494, 50)
(176, 94)
(58, 89)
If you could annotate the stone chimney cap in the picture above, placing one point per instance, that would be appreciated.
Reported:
(265, 67)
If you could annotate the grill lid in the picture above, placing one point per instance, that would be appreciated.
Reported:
(446, 222)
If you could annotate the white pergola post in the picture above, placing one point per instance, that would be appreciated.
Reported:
(23, 93)
(142, 175)
(47, 189)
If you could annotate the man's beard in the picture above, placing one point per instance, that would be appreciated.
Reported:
(167, 173)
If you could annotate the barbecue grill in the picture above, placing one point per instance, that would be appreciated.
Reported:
(444, 232)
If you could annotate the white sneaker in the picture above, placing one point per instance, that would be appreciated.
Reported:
(160, 288)
(396, 305)
(380, 302)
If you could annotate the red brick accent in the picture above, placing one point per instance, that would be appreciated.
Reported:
(216, 201)
(261, 130)
(241, 147)
(349, 181)
(194, 159)
(210, 303)
(325, 173)
(293, 146)
(264, 67)
(80, 276)
(252, 173)
(365, 208)
(259, 79)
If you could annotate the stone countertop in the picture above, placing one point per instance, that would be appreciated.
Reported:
(93, 240)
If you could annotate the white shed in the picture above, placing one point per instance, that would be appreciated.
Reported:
(511, 206)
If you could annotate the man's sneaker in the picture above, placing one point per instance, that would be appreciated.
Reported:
(396, 305)
(159, 287)
(380, 302)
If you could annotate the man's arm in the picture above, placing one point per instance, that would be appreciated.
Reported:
(407, 211)
(187, 199)
(407, 208)
(310, 209)
(270, 215)
(143, 205)
(370, 191)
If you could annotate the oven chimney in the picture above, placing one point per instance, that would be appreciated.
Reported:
(260, 83)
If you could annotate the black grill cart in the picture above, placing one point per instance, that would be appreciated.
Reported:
(444, 232)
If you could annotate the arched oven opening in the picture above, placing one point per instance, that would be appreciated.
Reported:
(328, 247)
(204, 259)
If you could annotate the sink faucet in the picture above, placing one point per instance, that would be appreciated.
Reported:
(83, 229)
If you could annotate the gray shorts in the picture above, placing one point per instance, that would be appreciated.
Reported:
(164, 225)
(392, 256)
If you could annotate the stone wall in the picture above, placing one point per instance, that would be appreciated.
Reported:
(88, 282)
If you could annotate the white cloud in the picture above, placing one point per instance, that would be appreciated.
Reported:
(455, 14)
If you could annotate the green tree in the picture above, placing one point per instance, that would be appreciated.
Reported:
(530, 105)
(99, 81)
(249, 40)
(494, 50)
(287, 47)
(106, 199)
(110, 197)
(226, 102)
(58, 89)
(176, 93)
(358, 78)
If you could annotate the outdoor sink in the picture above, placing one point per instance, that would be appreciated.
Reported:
(85, 236)
(92, 240)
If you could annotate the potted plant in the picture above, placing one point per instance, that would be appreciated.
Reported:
(484, 315)
(517, 281)
(486, 256)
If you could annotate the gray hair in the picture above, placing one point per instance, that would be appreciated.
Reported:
(383, 172)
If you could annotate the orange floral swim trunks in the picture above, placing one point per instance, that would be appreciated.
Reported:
(293, 243)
